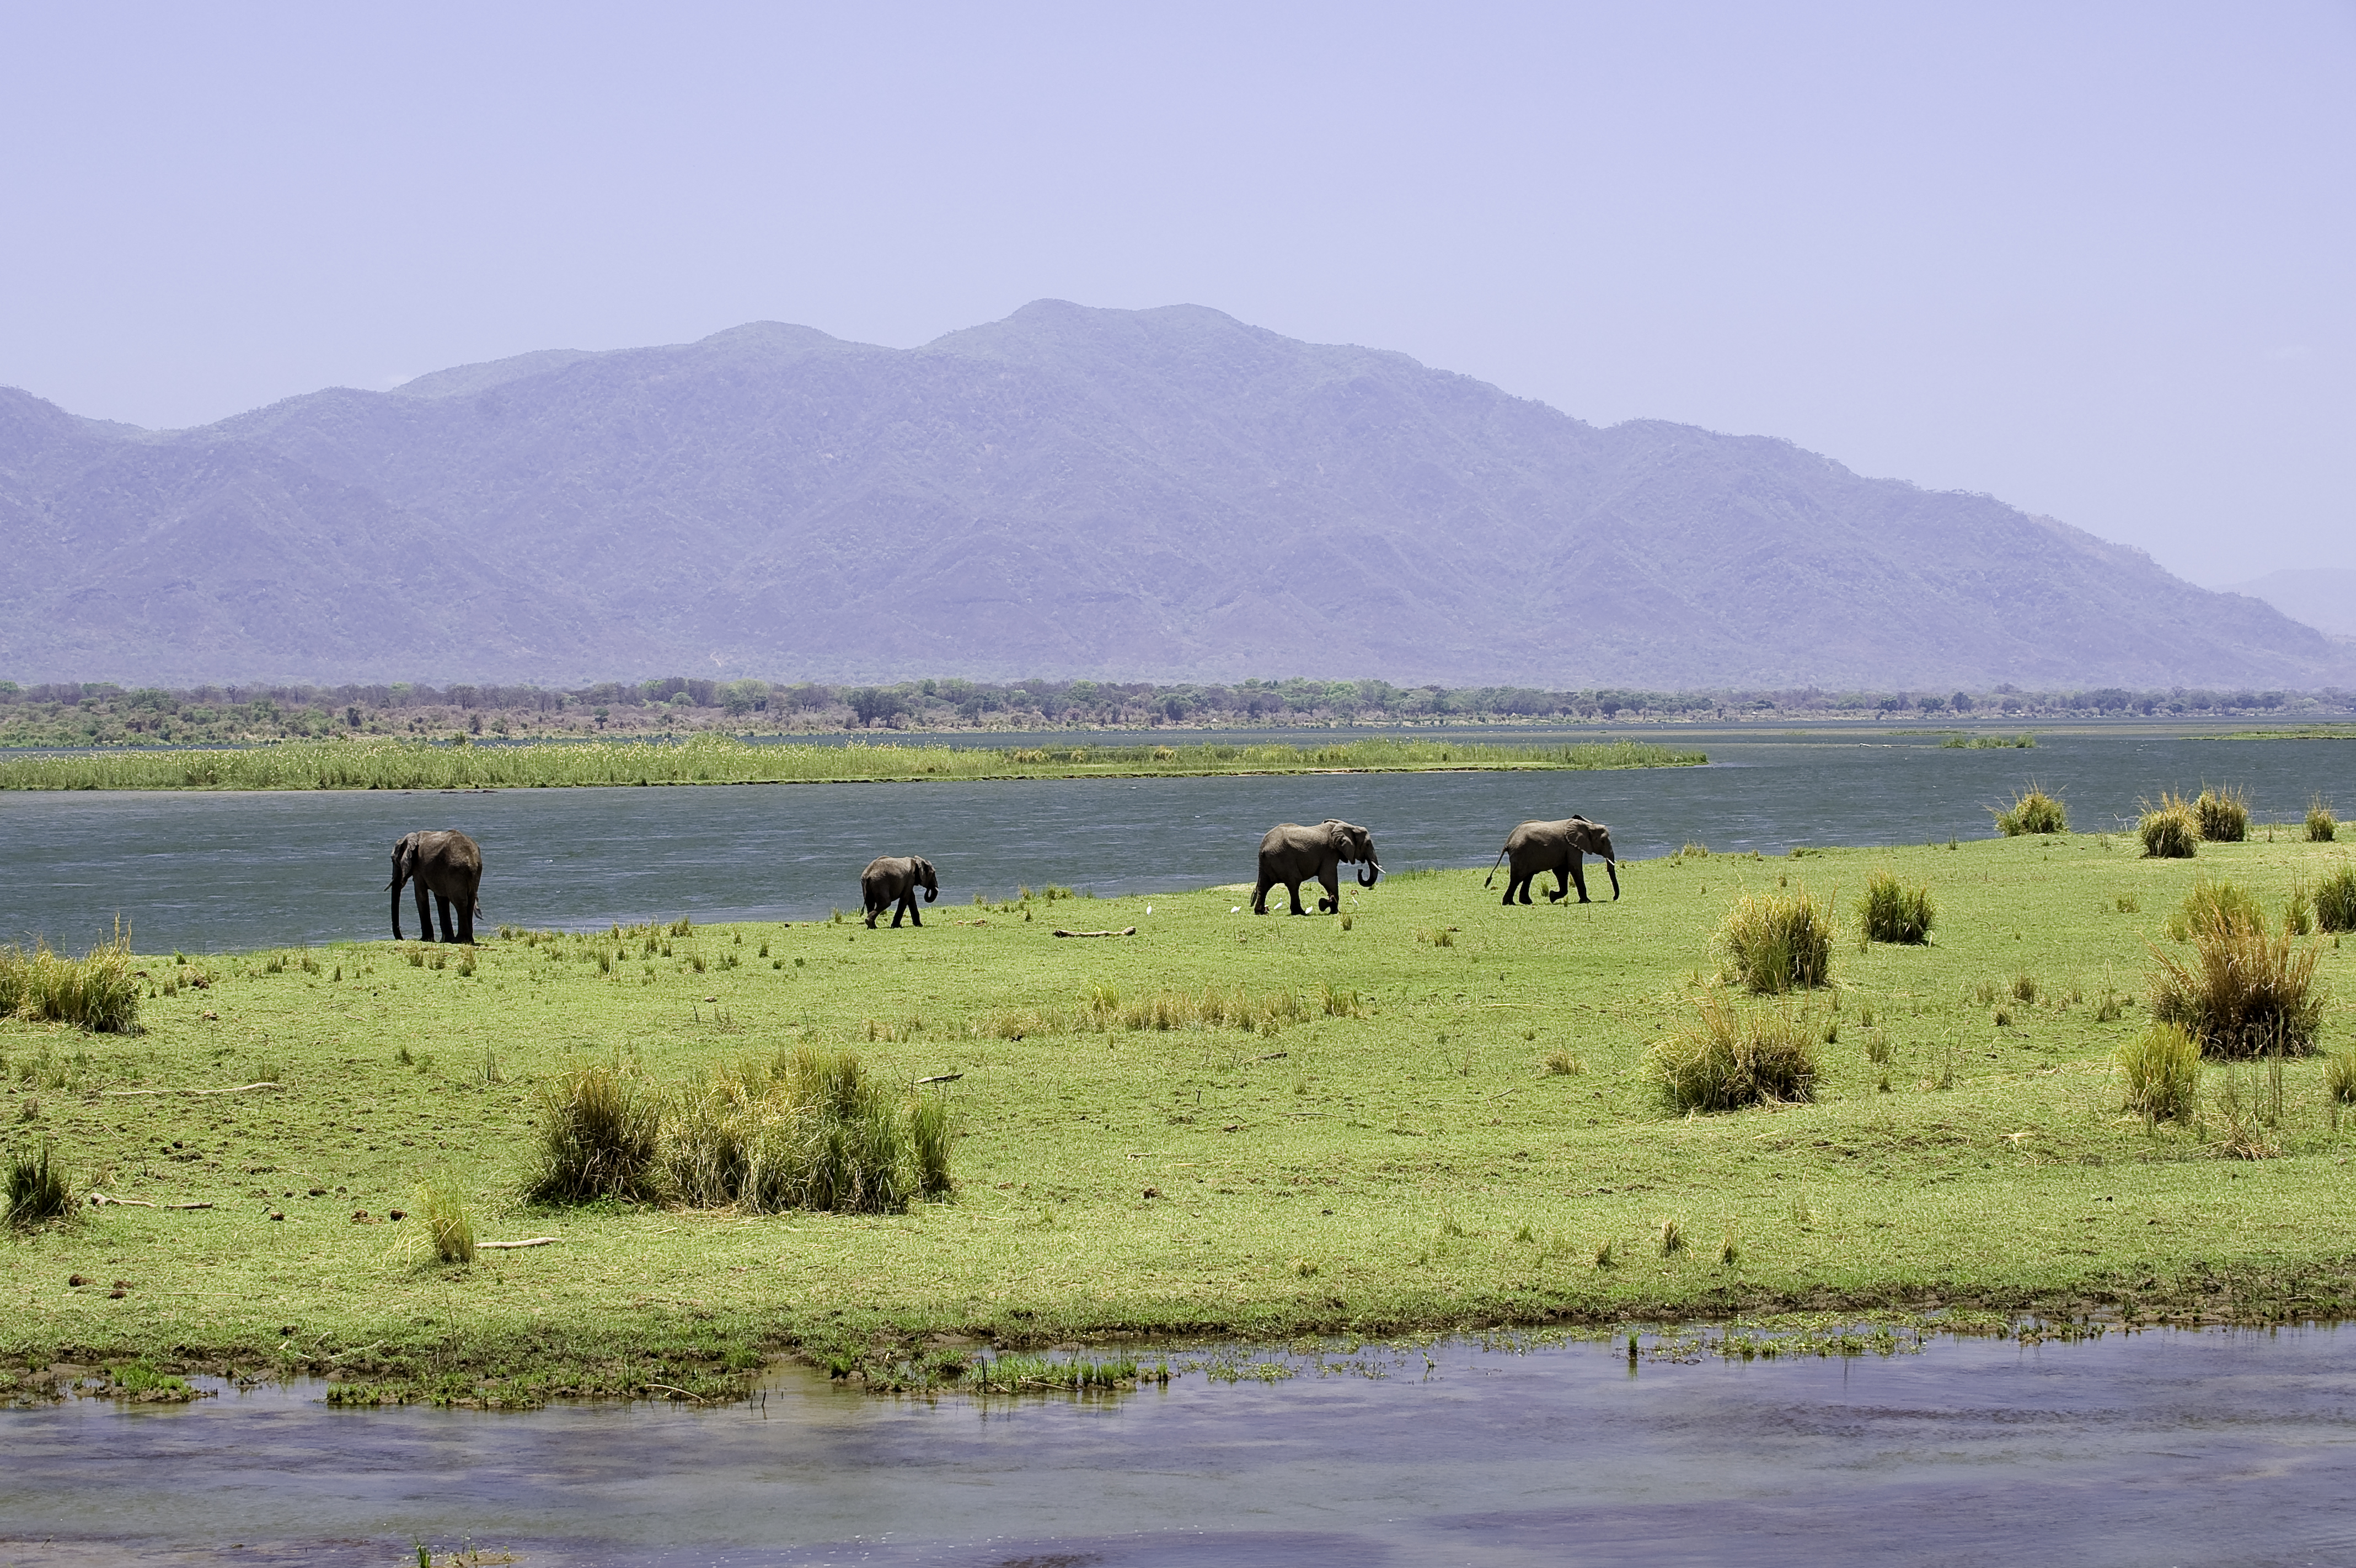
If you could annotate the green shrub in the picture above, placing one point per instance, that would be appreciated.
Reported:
(2032, 811)
(1732, 1059)
(2243, 992)
(96, 991)
(1778, 942)
(2223, 814)
(2322, 827)
(2335, 900)
(2169, 830)
(2219, 904)
(449, 1222)
(596, 1137)
(1894, 913)
(2161, 1072)
(36, 1188)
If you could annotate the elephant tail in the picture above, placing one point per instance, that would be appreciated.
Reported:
(1490, 879)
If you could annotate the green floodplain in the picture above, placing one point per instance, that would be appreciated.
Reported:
(374, 764)
(1434, 1114)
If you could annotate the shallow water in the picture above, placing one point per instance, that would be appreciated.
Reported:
(2156, 1448)
(219, 872)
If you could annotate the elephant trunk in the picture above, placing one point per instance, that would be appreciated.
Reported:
(396, 905)
(932, 893)
(1370, 873)
(1612, 867)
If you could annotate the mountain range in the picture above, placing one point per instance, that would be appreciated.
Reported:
(1166, 494)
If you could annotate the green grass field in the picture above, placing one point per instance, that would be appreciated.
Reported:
(1439, 1118)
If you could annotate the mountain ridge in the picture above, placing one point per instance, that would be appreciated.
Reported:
(1167, 494)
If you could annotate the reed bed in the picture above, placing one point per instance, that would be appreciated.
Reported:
(723, 759)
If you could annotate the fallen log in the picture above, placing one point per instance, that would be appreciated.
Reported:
(132, 1093)
(1130, 932)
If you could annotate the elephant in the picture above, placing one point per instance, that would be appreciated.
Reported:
(1536, 848)
(448, 864)
(1290, 854)
(896, 877)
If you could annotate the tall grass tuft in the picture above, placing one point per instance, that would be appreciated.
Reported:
(2032, 811)
(1732, 1059)
(596, 1137)
(97, 991)
(2245, 993)
(2339, 1076)
(1894, 913)
(1775, 942)
(2335, 902)
(2169, 830)
(38, 1191)
(2161, 1070)
(2322, 827)
(449, 1222)
(806, 1129)
(2223, 814)
(2223, 906)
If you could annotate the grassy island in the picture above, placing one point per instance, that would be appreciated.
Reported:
(724, 760)
(1434, 1113)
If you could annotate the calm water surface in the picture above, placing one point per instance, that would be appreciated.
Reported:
(233, 870)
(2213, 1448)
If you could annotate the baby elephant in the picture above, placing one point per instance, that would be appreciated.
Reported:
(448, 864)
(894, 879)
(1536, 848)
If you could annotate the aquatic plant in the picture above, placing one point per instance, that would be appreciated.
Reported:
(2159, 1072)
(1733, 1058)
(2032, 811)
(1775, 942)
(1894, 913)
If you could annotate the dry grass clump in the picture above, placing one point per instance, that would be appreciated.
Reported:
(449, 1222)
(97, 991)
(596, 1137)
(2160, 1072)
(37, 1190)
(2220, 905)
(2223, 814)
(2032, 811)
(2335, 902)
(2243, 992)
(2169, 830)
(1894, 913)
(1732, 1059)
(1776, 943)
(2322, 827)
(806, 1129)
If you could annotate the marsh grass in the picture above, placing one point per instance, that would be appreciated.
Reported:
(2243, 992)
(2169, 831)
(597, 1133)
(38, 1189)
(2322, 827)
(98, 992)
(2032, 811)
(2335, 900)
(1734, 1057)
(2159, 1071)
(1776, 943)
(449, 1218)
(1895, 913)
(2223, 814)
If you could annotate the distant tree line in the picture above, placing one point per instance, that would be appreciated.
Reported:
(103, 714)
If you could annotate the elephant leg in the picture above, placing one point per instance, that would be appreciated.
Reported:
(1578, 879)
(466, 919)
(449, 925)
(424, 910)
(915, 912)
(1260, 894)
(1293, 888)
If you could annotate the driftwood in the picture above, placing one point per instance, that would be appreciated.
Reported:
(99, 1199)
(132, 1093)
(942, 1077)
(675, 1389)
(511, 1246)
(1130, 932)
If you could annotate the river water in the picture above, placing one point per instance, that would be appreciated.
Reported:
(219, 872)
(2148, 1449)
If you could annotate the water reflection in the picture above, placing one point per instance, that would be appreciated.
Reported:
(2159, 1447)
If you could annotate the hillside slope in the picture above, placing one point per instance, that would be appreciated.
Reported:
(1159, 494)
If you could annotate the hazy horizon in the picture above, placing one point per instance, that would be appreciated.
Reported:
(2086, 261)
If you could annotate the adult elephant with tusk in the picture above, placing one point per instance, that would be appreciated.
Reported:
(449, 865)
(894, 879)
(1290, 854)
(1533, 849)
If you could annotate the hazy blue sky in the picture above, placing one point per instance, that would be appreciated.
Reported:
(2096, 260)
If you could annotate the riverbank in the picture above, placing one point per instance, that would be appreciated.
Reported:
(724, 760)
(1439, 1117)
